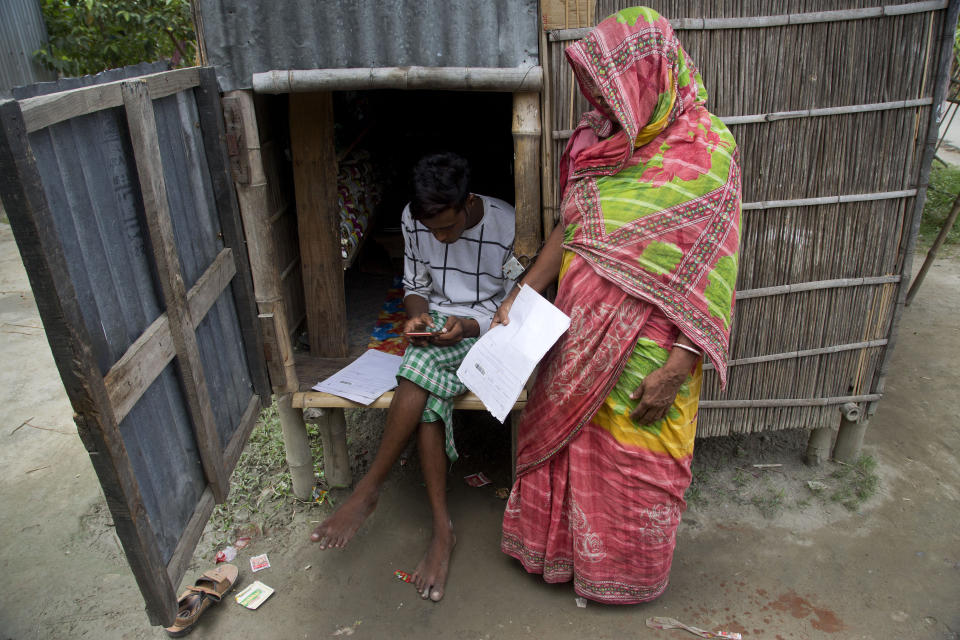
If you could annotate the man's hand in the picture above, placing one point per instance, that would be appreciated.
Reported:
(421, 322)
(455, 330)
(656, 394)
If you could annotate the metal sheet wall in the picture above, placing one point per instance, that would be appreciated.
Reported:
(243, 38)
(22, 31)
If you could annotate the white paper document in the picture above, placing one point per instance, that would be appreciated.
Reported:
(365, 379)
(500, 362)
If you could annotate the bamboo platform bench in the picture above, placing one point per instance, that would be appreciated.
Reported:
(326, 411)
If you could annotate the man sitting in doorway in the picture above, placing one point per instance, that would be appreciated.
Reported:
(455, 246)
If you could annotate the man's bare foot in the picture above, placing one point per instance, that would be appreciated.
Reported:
(337, 530)
(430, 576)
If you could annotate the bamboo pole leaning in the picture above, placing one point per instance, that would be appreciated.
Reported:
(932, 253)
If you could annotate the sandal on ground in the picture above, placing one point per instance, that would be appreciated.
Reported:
(205, 592)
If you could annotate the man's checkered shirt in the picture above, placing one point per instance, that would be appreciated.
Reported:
(464, 278)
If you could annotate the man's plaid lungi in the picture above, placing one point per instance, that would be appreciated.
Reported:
(434, 368)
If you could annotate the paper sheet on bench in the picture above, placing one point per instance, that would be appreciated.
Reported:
(500, 362)
(365, 379)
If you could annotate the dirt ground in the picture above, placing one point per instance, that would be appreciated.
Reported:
(766, 551)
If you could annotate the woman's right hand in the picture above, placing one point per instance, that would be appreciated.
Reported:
(540, 275)
(502, 316)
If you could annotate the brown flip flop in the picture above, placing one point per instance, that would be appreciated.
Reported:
(205, 592)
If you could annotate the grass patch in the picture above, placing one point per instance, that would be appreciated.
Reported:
(762, 476)
(740, 479)
(770, 502)
(857, 482)
(261, 493)
(695, 496)
(944, 187)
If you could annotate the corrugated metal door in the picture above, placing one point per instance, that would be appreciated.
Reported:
(120, 200)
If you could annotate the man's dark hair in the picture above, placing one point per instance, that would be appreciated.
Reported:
(440, 181)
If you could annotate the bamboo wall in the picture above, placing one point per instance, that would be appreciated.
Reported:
(830, 195)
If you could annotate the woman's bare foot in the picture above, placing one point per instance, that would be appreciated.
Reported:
(430, 576)
(337, 530)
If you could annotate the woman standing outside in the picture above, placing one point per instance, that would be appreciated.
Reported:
(647, 259)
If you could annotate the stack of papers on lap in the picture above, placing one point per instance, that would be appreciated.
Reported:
(365, 379)
(500, 362)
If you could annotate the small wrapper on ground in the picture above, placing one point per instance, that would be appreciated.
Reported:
(672, 623)
(477, 479)
(253, 595)
(259, 563)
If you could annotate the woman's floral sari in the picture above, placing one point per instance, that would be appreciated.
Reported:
(651, 211)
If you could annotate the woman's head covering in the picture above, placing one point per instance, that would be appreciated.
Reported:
(651, 179)
(635, 73)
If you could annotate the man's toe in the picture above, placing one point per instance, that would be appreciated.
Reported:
(436, 595)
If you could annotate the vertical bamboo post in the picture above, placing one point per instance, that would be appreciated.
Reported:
(850, 436)
(318, 224)
(197, 16)
(254, 198)
(296, 445)
(547, 188)
(818, 447)
(333, 434)
(526, 172)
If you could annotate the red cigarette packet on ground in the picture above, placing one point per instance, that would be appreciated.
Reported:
(259, 563)
(403, 576)
(477, 479)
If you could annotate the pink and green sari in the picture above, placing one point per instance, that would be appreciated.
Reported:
(651, 210)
